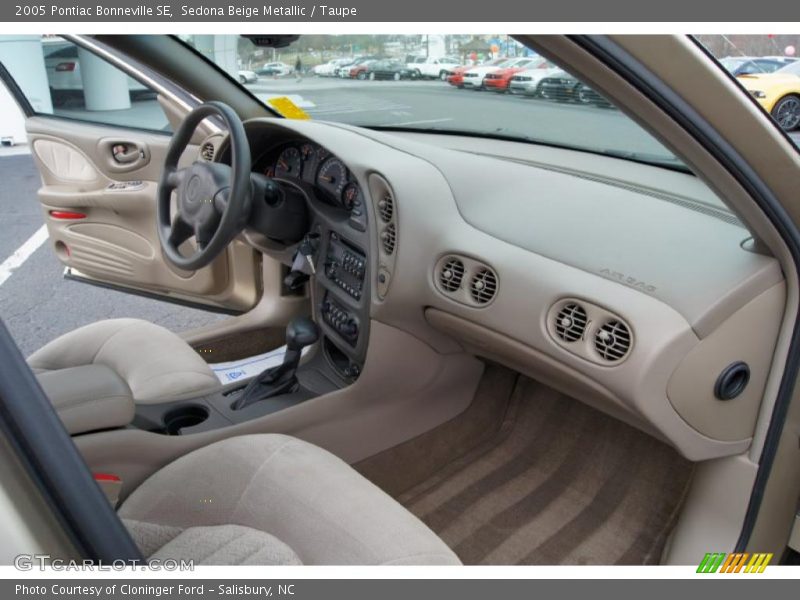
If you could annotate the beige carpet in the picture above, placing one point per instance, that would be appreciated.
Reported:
(557, 483)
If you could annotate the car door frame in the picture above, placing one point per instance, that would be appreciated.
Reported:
(175, 102)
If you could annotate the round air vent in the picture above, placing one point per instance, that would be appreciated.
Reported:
(483, 286)
(389, 239)
(571, 322)
(451, 274)
(386, 207)
(207, 151)
(612, 340)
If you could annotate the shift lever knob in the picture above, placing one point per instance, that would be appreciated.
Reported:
(301, 332)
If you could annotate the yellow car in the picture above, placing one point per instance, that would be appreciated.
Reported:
(778, 93)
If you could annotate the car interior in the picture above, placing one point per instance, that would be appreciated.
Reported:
(496, 352)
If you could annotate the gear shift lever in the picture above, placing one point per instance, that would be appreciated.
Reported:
(300, 332)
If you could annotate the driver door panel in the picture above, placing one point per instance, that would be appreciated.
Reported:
(100, 213)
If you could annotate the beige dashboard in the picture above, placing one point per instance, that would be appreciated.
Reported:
(626, 286)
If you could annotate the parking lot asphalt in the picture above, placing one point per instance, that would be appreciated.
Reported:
(38, 304)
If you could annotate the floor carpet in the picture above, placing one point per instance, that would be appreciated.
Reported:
(557, 483)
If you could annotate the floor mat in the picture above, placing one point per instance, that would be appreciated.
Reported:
(559, 483)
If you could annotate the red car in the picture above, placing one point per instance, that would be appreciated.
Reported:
(361, 70)
(456, 76)
(498, 80)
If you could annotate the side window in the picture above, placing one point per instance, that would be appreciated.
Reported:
(59, 78)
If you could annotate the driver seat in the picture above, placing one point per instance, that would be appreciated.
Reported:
(157, 365)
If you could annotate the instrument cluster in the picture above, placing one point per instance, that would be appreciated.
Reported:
(314, 165)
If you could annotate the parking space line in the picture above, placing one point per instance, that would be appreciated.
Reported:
(22, 253)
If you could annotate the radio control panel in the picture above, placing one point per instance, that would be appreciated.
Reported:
(346, 266)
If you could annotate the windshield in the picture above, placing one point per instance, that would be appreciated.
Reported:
(790, 69)
(331, 77)
(733, 63)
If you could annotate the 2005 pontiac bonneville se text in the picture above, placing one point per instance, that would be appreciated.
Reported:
(166, 10)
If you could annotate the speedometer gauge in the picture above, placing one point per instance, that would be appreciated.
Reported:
(332, 177)
(290, 163)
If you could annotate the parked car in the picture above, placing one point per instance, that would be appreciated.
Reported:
(274, 69)
(527, 82)
(748, 65)
(498, 80)
(564, 87)
(778, 93)
(359, 70)
(456, 76)
(246, 76)
(324, 69)
(329, 68)
(63, 67)
(474, 78)
(343, 70)
(433, 68)
(389, 69)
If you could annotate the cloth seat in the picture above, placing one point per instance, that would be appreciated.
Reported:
(157, 365)
(274, 500)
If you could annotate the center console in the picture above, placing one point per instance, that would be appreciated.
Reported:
(340, 294)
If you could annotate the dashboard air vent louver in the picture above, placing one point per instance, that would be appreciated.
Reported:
(207, 151)
(571, 322)
(483, 286)
(389, 239)
(386, 207)
(451, 274)
(612, 340)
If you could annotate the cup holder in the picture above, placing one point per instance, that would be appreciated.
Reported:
(184, 417)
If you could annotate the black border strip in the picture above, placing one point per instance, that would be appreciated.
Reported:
(682, 113)
(52, 461)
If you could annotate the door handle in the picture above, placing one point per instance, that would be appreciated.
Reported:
(126, 153)
(122, 155)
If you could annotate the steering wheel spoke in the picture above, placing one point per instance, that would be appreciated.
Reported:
(202, 235)
(180, 231)
(175, 177)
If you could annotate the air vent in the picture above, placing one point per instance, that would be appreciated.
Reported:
(389, 239)
(613, 340)
(451, 274)
(207, 151)
(483, 286)
(386, 207)
(571, 322)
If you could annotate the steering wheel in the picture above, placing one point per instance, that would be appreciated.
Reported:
(213, 200)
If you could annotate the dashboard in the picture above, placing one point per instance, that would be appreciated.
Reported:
(626, 286)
